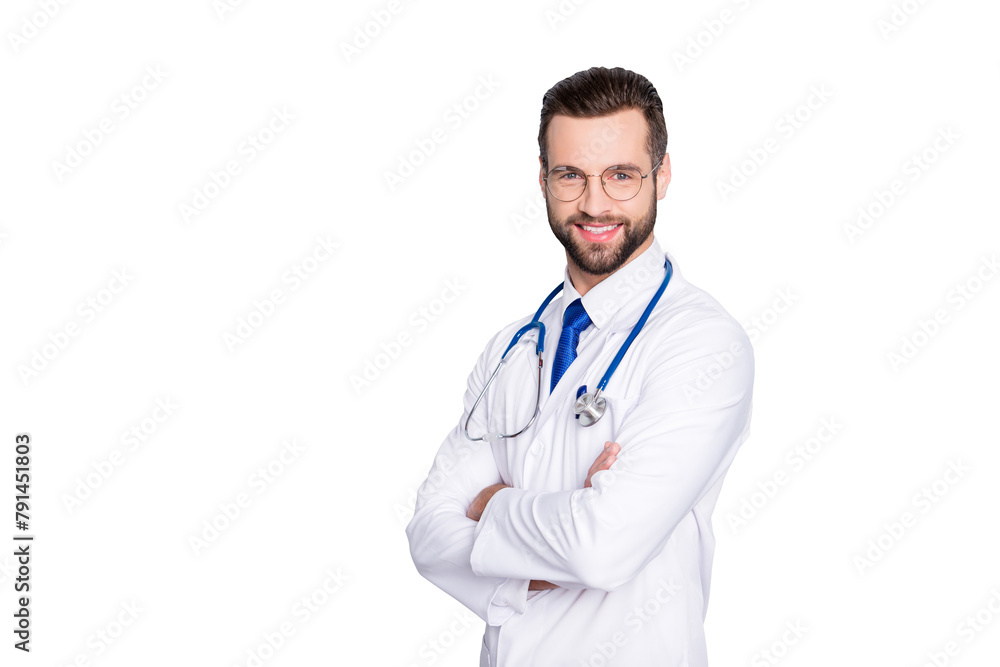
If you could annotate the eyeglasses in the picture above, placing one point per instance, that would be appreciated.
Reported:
(619, 182)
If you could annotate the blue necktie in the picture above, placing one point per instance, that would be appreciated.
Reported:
(575, 320)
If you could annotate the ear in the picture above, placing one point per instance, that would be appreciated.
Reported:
(541, 176)
(663, 177)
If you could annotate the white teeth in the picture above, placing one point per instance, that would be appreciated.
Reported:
(599, 230)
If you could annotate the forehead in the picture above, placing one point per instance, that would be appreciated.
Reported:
(598, 142)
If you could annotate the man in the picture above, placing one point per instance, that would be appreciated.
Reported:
(592, 545)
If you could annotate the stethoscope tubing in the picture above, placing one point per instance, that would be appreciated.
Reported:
(589, 399)
(636, 329)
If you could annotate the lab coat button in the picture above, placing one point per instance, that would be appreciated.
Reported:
(536, 448)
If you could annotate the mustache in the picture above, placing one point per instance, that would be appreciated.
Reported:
(586, 219)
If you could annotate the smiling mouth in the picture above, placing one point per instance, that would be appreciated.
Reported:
(598, 229)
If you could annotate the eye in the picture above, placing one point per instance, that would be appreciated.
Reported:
(620, 176)
(567, 176)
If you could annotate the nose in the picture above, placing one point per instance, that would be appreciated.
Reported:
(594, 201)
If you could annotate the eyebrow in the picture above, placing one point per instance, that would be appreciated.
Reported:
(617, 164)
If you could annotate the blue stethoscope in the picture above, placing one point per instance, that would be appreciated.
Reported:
(589, 407)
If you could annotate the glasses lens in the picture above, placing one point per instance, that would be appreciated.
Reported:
(622, 182)
(566, 183)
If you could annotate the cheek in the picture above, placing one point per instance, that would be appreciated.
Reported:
(633, 212)
(560, 211)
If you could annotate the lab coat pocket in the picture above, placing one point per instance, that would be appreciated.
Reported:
(607, 428)
(617, 411)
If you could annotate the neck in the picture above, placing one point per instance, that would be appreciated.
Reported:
(583, 282)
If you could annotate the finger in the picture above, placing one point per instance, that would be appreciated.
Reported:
(596, 468)
(602, 465)
(609, 453)
(609, 448)
(601, 461)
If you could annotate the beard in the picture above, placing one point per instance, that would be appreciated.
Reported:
(596, 258)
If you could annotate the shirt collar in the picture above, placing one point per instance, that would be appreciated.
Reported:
(622, 291)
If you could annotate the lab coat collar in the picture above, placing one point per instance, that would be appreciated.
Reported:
(626, 290)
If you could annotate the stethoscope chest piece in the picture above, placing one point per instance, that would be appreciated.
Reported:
(590, 407)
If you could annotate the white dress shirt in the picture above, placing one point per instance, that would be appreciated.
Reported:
(632, 554)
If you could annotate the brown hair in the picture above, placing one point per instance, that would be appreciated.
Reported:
(598, 92)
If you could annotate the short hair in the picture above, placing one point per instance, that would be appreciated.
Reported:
(598, 92)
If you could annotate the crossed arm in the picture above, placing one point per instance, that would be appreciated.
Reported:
(679, 440)
(603, 461)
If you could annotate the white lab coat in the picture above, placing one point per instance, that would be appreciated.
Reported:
(632, 555)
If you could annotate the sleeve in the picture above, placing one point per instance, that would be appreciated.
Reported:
(692, 415)
(441, 535)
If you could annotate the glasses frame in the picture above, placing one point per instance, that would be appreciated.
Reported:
(603, 182)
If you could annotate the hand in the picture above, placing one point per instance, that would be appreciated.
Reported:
(479, 504)
(604, 460)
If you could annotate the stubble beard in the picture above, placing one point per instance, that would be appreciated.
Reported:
(596, 258)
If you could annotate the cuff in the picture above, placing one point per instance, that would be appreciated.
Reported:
(511, 598)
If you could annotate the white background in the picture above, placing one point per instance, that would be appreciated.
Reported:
(470, 213)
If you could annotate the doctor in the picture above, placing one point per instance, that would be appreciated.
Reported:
(592, 545)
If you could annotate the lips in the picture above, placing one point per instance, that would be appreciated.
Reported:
(598, 233)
